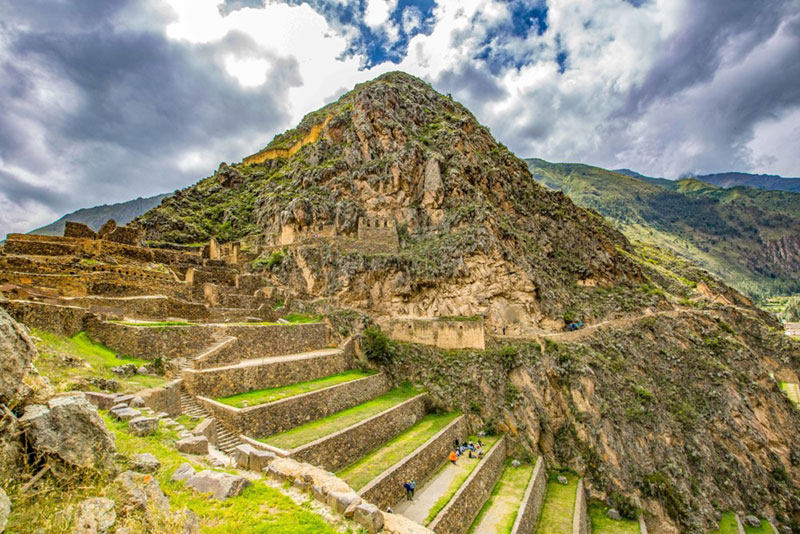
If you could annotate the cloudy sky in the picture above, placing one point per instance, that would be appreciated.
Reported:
(103, 101)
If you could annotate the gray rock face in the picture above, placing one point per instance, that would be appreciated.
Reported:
(5, 509)
(16, 356)
(143, 426)
(751, 521)
(433, 186)
(184, 472)
(614, 514)
(368, 516)
(145, 463)
(221, 485)
(95, 516)
(193, 445)
(140, 492)
(70, 429)
(562, 480)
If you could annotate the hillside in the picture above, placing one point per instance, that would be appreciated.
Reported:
(393, 206)
(122, 213)
(748, 237)
(759, 181)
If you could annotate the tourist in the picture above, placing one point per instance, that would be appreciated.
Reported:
(409, 491)
(453, 457)
(413, 484)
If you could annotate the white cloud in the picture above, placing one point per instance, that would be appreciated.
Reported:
(378, 12)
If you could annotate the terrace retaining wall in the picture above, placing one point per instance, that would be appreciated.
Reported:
(285, 414)
(62, 320)
(580, 517)
(348, 445)
(457, 516)
(420, 465)
(163, 399)
(528, 513)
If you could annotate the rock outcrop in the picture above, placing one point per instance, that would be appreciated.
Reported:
(17, 352)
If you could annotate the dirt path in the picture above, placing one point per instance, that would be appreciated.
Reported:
(418, 509)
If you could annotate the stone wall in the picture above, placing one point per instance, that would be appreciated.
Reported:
(163, 399)
(439, 333)
(377, 236)
(460, 512)
(387, 489)
(580, 517)
(264, 373)
(528, 513)
(346, 446)
(262, 341)
(75, 229)
(143, 307)
(61, 320)
(285, 414)
(149, 343)
(97, 283)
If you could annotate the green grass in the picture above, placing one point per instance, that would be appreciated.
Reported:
(338, 421)
(303, 318)
(512, 485)
(186, 421)
(727, 524)
(601, 524)
(559, 505)
(791, 392)
(259, 509)
(263, 396)
(360, 473)
(764, 528)
(70, 362)
(458, 480)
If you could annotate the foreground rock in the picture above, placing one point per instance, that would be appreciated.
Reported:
(141, 492)
(221, 485)
(5, 509)
(143, 426)
(70, 429)
(184, 472)
(145, 463)
(368, 516)
(95, 516)
(16, 358)
(193, 445)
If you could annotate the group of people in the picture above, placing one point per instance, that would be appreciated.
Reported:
(575, 325)
(474, 450)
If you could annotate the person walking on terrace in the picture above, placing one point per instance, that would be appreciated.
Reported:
(409, 491)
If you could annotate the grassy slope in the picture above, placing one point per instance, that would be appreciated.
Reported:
(338, 421)
(559, 505)
(360, 473)
(259, 509)
(722, 230)
(512, 485)
(764, 528)
(727, 524)
(488, 443)
(601, 524)
(69, 361)
(263, 396)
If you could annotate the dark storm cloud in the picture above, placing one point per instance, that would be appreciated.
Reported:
(127, 105)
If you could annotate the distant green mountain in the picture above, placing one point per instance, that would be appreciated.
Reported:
(759, 181)
(122, 213)
(748, 237)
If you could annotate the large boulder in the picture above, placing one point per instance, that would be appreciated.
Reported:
(143, 426)
(221, 485)
(145, 463)
(70, 429)
(17, 352)
(141, 492)
(193, 445)
(368, 516)
(5, 509)
(95, 516)
(183, 472)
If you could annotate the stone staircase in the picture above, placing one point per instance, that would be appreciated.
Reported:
(226, 441)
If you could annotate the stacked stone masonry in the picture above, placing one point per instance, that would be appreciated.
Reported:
(346, 446)
(531, 505)
(61, 320)
(285, 414)
(420, 465)
(439, 333)
(460, 512)
(580, 517)
(266, 373)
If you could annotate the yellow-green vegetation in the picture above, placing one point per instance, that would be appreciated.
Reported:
(341, 420)
(187, 421)
(558, 507)
(763, 528)
(727, 524)
(458, 480)
(601, 524)
(506, 498)
(302, 318)
(376, 462)
(259, 509)
(263, 396)
(72, 362)
(792, 391)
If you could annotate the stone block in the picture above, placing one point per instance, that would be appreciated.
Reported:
(141, 492)
(123, 399)
(221, 485)
(341, 501)
(193, 445)
(184, 472)
(207, 428)
(137, 402)
(126, 414)
(93, 516)
(80, 230)
(143, 426)
(241, 455)
(259, 460)
(145, 463)
(368, 516)
(101, 401)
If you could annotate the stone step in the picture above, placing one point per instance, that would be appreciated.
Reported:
(226, 441)
(263, 373)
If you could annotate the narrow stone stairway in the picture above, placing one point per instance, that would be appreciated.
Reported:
(226, 441)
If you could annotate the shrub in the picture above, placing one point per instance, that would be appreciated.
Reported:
(274, 259)
(377, 345)
(625, 506)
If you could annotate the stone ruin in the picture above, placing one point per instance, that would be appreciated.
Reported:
(126, 235)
